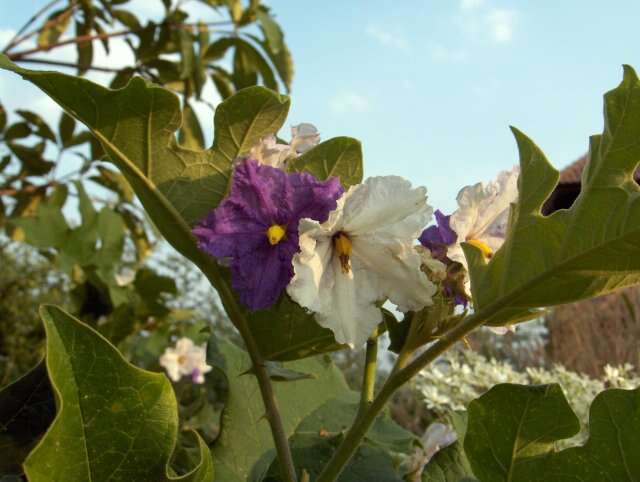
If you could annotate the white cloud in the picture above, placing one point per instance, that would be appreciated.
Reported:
(349, 102)
(5, 36)
(467, 5)
(501, 23)
(441, 53)
(478, 19)
(386, 38)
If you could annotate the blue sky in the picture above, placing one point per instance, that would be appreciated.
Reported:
(430, 87)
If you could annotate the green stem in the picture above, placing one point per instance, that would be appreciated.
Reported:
(272, 413)
(369, 377)
(399, 376)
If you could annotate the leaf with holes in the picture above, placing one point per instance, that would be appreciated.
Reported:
(587, 250)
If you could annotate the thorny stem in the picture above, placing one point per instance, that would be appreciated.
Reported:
(399, 376)
(369, 377)
(272, 414)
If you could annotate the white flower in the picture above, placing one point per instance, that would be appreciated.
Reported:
(268, 151)
(436, 437)
(185, 359)
(482, 215)
(361, 255)
(125, 277)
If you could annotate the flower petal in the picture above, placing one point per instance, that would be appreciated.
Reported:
(343, 302)
(386, 205)
(396, 269)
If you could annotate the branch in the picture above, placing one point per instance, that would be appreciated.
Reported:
(272, 414)
(60, 63)
(16, 38)
(74, 40)
(101, 36)
(399, 376)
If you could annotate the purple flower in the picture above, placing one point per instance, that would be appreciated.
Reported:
(438, 237)
(257, 227)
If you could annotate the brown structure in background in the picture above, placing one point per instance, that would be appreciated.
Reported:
(585, 336)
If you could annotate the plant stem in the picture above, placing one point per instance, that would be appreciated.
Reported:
(369, 377)
(272, 413)
(399, 376)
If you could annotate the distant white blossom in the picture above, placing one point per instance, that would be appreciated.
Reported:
(482, 215)
(435, 438)
(270, 152)
(186, 359)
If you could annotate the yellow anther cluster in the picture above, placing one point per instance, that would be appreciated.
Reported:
(482, 246)
(342, 245)
(275, 233)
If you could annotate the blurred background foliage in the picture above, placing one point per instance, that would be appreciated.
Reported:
(72, 232)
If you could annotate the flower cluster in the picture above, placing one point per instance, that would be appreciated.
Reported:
(480, 220)
(342, 254)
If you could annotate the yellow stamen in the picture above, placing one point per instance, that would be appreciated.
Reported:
(342, 245)
(275, 233)
(482, 246)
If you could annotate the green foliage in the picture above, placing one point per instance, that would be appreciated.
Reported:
(245, 444)
(115, 421)
(178, 186)
(317, 436)
(586, 250)
(512, 431)
(340, 156)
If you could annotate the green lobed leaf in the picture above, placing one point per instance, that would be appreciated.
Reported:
(115, 421)
(587, 250)
(512, 430)
(136, 126)
(339, 156)
(245, 439)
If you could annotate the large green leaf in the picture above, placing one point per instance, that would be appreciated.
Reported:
(587, 250)
(512, 430)
(317, 436)
(27, 409)
(137, 124)
(115, 421)
(245, 440)
(339, 156)
(288, 332)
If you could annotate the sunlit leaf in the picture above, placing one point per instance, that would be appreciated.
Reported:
(512, 430)
(587, 250)
(115, 421)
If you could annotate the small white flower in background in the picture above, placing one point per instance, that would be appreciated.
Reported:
(303, 137)
(186, 359)
(482, 215)
(269, 152)
(435, 438)
(363, 254)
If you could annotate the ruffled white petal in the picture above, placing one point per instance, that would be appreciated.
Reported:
(386, 205)
(382, 218)
(483, 212)
(394, 268)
